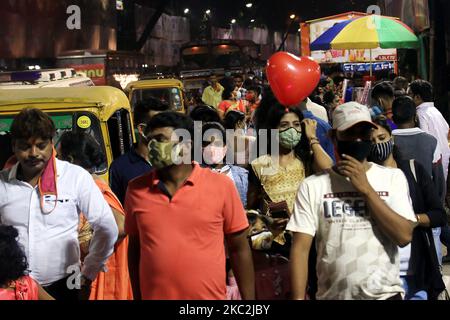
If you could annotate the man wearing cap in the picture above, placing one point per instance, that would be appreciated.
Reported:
(359, 213)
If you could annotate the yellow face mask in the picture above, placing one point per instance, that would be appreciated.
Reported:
(163, 154)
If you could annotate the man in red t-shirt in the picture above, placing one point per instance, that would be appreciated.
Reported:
(178, 218)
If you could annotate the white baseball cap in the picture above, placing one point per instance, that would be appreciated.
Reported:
(349, 114)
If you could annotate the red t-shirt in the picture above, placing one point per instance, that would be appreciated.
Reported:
(233, 105)
(182, 255)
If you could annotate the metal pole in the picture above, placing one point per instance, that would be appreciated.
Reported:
(281, 47)
(371, 72)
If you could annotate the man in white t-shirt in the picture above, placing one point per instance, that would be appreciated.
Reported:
(359, 213)
(430, 118)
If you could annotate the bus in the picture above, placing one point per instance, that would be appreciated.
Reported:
(105, 67)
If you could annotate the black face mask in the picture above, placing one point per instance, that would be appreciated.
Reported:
(356, 149)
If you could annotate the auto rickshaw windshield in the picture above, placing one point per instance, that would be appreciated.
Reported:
(171, 96)
(64, 122)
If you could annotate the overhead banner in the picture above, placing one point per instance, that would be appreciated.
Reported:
(365, 67)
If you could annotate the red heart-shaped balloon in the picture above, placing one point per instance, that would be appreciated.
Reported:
(292, 78)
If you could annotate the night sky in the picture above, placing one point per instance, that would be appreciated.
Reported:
(272, 13)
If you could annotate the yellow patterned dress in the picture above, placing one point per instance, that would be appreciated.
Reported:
(278, 184)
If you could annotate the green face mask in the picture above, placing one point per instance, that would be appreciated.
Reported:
(290, 138)
(160, 153)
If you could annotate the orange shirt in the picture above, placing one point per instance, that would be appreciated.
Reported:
(233, 105)
(115, 283)
(182, 253)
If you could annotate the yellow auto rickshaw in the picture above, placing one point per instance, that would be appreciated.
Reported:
(103, 112)
(170, 91)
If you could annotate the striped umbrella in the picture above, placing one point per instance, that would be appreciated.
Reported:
(368, 32)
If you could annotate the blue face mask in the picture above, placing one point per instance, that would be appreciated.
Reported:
(375, 111)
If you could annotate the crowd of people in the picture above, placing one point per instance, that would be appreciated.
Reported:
(328, 199)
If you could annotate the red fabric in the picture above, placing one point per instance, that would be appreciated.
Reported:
(272, 277)
(182, 239)
(47, 181)
(227, 105)
(47, 184)
(24, 289)
(233, 292)
(254, 106)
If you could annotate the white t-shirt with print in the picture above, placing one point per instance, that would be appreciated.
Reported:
(355, 260)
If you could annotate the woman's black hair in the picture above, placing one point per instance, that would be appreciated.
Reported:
(204, 113)
(261, 113)
(227, 93)
(232, 118)
(381, 121)
(302, 150)
(82, 149)
(13, 262)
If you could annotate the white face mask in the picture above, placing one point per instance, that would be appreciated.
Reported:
(243, 130)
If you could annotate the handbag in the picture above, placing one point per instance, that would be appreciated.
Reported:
(272, 276)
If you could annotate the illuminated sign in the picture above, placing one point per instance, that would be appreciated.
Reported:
(94, 71)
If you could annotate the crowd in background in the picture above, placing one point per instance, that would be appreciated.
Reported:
(351, 193)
